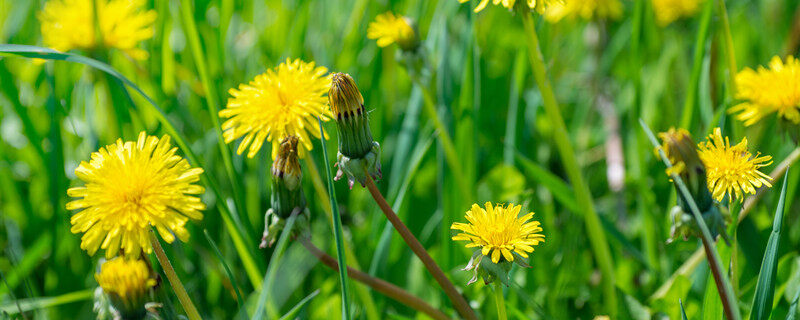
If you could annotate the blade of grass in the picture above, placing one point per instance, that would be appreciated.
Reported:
(683, 311)
(729, 300)
(765, 287)
(697, 66)
(792, 315)
(337, 230)
(269, 278)
(241, 247)
(231, 278)
(190, 29)
(597, 237)
(45, 302)
(299, 306)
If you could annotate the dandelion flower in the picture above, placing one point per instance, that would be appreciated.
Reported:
(388, 28)
(284, 101)
(499, 231)
(129, 187)
(539, 5)
(766, 91)
(585, 9)
(732, 170)
(126, 282)
(70, 24)
(667, 11)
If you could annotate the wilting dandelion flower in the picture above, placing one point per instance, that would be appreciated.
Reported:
(129, 187)
(767, 91)
(732, 170)
(284, 101)
(499, 231)
(388, 28)
(70, 24)
(126, 283)
(667, 11)
(539, 5)
(585, 9)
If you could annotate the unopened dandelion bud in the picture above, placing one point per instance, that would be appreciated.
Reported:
(359, 155)
(682, 153)
(287, 193)
(128, 284)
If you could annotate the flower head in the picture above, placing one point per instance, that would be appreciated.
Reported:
(129, 187)
(284, 101)
(539, 5)
(70, 24)
(499, 231)
(126, 282)
(681, 151)
(732, 170)
(585, 9)
(388, 28)
(667, 11)
(767, 91)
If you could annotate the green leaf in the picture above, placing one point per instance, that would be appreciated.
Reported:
(792, 315)
(299, 306)
(683, 312)
(765, 288)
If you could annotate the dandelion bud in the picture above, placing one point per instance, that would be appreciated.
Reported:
(359, 155)
(682, 152)
(127, 284)
(287, 192)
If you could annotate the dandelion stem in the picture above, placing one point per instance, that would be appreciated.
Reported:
(597, 236)
(500, 300)
(174, 281)
(458, 301)
(376, 284)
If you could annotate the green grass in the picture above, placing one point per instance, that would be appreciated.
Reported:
(476, 128)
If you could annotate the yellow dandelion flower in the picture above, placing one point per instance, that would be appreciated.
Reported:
(70, 24)
(765, 91)
(127, 279)
(499, 231)
(129, 187)
(732, 170)
(284, 101)
(667, 11)
(539, 5)
(585, 9)
(388, 28)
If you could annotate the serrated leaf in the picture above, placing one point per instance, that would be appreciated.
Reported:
(765, 287)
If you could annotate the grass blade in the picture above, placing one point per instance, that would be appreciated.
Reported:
(45, 302)
(231, 278)
(293, 312)
(792, 315)
(337, 230)
(765, 287)
(683, 312)
(269, 277)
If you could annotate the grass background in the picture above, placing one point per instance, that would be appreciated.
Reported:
(606, 75)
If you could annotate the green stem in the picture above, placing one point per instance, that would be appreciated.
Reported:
(729, 302)
(500, 300)
(190, 29)
(337, 231)
(729, 51)
(597, 236)
(174, 281)
(697, 67)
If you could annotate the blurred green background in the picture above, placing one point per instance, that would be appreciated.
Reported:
(606, 75)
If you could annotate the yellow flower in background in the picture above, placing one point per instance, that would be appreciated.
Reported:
(128, 280)
(539, 5)
(585, 9)
(129, 187)
(284, 101)
(499, 231)
(767, 91)
(70, 24)
(732, 170)
(667, 11)
(388, 28)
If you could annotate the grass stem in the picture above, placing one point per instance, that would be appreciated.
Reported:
(597, 236)
(459, 303)
(500, 300)
(174, 281)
